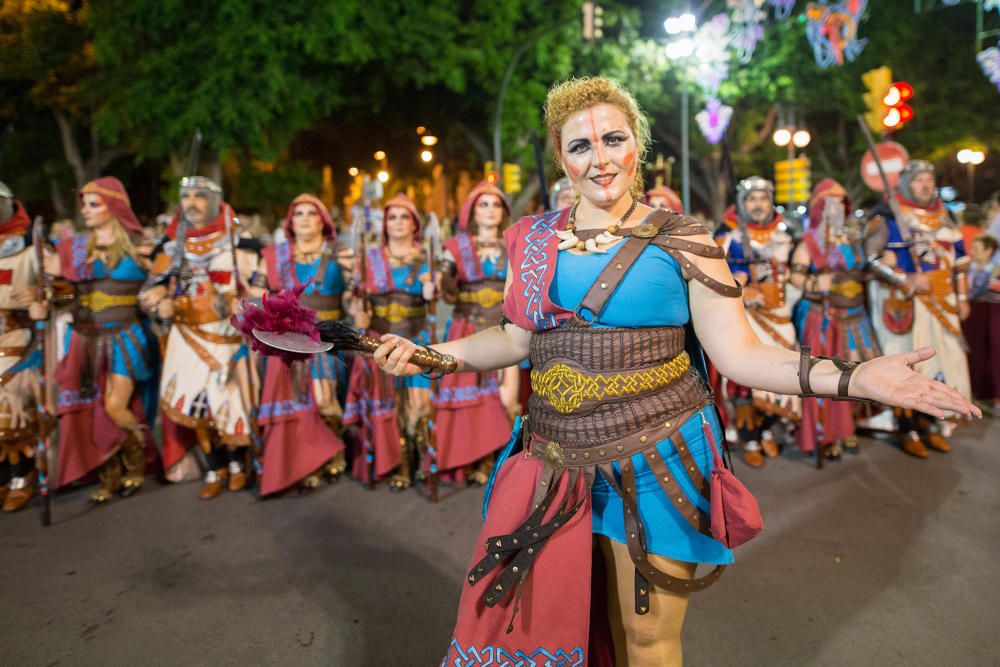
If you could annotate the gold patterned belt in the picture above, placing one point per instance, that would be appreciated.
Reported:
(566, 388)
(329, 314)
(395, 312)
(98, 301)
(486, 297)
(849, 288)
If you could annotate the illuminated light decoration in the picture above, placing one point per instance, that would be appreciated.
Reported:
(714, 120)
(748, 27)
(379, 155)
(353, 171)
(428, 140)
(782, 136)
(989, 62)
(782, 8)
(382, 176)
(832, 30)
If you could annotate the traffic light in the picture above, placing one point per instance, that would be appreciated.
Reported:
(593, 21)
(791, 178)
(490, 172)
(511, 178)
(877, 81)
(897, 111)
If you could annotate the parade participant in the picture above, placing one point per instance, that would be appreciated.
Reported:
(474, 269)
(982, 328)
(204, 386)
(757, 248)
(664, 197)
(111, 359)
(832, 319)
(19, 422)
(299, 448)
(617, 440)
(917, 254)
(391, 418)
(562, 195)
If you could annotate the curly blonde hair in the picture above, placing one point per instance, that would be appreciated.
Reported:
(575, 95)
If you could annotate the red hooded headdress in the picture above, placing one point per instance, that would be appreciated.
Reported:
(673, 201)
(16, 224)
(329, 231)
(400, 200)
(482, 188)
(113, 194)
(825, 188)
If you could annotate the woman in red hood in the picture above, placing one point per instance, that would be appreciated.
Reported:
(832, 318)
(110, 350)
(301, 419)
(473, 274)
(391, 419)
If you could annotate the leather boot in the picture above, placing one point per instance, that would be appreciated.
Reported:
(20, 491)
(110, 478)
(403, 477)
(481, 474)
(752, 455)
(938, 442)
(237, 476)
(768, 444)
(212, 486)
(311, 482)
(133, 455)
(911, 444)
(336, 466)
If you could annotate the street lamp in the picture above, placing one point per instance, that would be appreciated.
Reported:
(353, 171)
(681, 49)
(382, 176)
(970, 158)
(426, 156)
(379, 155)
(791, 137)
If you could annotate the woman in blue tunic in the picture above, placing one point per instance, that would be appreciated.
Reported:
(617, 398)
(391, 419)
(111, 360)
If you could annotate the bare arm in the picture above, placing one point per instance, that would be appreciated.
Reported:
(724, 331)
(492, 349)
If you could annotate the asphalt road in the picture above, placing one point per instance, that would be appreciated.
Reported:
(880, 559)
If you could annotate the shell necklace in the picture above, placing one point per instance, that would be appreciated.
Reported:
(598, 244)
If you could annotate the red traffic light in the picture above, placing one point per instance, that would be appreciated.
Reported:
(492, 178)
(898, 92)
(897, 113)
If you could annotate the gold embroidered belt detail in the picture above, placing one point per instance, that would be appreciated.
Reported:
(848, 288)
(566, 388)
(395, 312)
(486, 297)
(329, 314)
(98, 301)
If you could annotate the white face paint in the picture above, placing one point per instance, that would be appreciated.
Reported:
(95, 212)
(598, 152)
(399, 224)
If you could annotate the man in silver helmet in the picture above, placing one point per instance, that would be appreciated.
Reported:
(18, 379)
(205, 384)
(758, 247)
(916, 252)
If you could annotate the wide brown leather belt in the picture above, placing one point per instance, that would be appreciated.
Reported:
(399, 313)
(327, 306)
(201, 309)
(481, 302)
(106, 301)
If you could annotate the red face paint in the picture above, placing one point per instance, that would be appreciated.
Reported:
(598, 151)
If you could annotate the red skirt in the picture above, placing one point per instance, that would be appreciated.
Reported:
(470, 421)
(370, 409)
(552, 624)
(296, 439)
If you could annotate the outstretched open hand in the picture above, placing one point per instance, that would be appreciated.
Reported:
(891, 380)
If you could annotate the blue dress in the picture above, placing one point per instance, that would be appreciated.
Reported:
(400, 274)
(653, 293)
